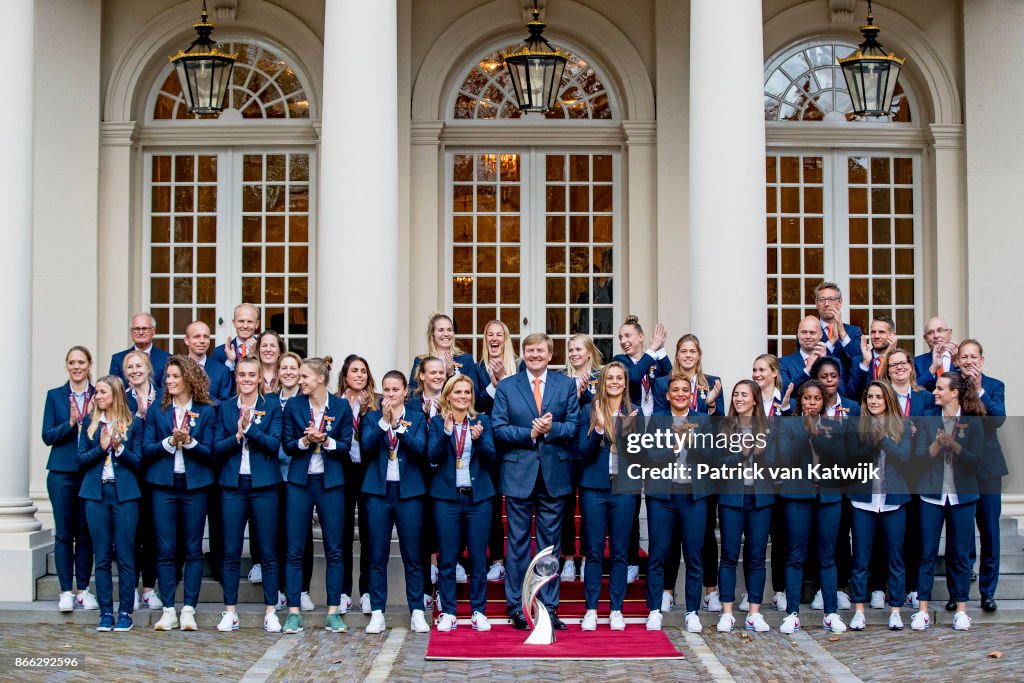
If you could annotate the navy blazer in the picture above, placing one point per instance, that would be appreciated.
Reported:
(731, 491)
(338, 418)
(921, 402)
(524, 458)
(442, 456)
(636, 370)
(791, 371)
(848, 354)
(199, 460)
(412, 454)
(661, 399)
(860, 449)
(157, 358)
(133, 402)
(849, 408)
(58, 432)
(661, 489)
(590, 388)
(91, 458)
(972, 445)
(222, 380)
(795, 452)
(858, 379)
(993, 462)
(923, 371)
(263, 437)
(465, 365)
(595, 451)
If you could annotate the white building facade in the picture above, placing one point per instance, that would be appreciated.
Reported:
(699, 170)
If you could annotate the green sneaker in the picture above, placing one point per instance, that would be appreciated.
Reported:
(293, 624)
(335, 624)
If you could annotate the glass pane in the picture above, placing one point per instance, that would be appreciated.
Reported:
(879, 200)
(858, 200)
(790, 167)
(879, 170)
(880, 231)
(555, 167)
(858, 231)
(275, 228)
(579, 229)
(161, 169)
(790, 199)
(160, 229)
(510, 198)
(555, 228)
(510, 260)
(579, 198)
(486, 260)
(602, 226)
(857, 170)
(462, 228)
(510, 228)
(298, 228)
(486, 229)
(555, 199)
(579, 167)
(603, 198)
(602, 168)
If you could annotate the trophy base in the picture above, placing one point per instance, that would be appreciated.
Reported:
(543, 633)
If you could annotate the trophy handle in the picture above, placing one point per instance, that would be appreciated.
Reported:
(543, 633)
(537, 614)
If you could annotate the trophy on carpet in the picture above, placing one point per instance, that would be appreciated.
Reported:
(542, 569)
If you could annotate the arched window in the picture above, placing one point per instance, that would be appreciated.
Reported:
(234, 221)
(532, 229)
(487, 93)
(807, 84)
(263, 86)
(851, 215)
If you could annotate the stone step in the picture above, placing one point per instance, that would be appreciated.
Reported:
(251, 617)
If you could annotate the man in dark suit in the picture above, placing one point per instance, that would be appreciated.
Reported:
(534, 418)
(197, 341)
(871, 360)
(795, 368)
(841, 339)
(143, 327)
(941, 356)
(246, 321)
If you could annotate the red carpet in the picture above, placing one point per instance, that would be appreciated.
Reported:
(504, 642)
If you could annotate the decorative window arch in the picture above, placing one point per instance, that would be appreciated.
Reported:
(264, 86)
(806, 83)
(486, 92)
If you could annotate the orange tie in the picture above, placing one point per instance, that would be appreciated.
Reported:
(828, 330)
(536, 394)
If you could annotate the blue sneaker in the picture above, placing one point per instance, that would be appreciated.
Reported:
(124, 623)
(106, 623)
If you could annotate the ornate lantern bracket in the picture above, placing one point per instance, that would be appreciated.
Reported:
(536, 68)
(871, 73)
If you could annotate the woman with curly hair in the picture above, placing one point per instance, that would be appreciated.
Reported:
(178, 453)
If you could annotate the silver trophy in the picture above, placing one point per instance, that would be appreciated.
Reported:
(542, 569)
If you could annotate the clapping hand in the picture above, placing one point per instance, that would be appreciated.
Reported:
(105, 438)
(787, 395)
(243, 422)
(476, 430)
(229, 350)
(658, 338)
(713, 395)
(496, 368)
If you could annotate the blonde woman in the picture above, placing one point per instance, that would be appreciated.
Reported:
(441, 344)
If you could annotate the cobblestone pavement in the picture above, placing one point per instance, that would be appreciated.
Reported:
(397, 655)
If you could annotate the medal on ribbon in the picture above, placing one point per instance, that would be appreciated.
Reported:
(459, 432)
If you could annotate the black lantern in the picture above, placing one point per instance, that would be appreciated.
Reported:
(871, 73)
(204, 71)
(536, 69)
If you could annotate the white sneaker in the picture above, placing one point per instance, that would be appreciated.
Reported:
(428, 603)
(376, 624)
(755, 622)
(364, 604)
(568, 571)
(912, 600)
(666, 602)
(136, 600)
(418, 622)
(87, 600)
(480, 622)
(169, 620)
(790, 624)
(496, 572)
(833, 622)
(877, 599)
(818, 602)
(843, 600)
(271, 624)
(345, 605)
(857, 623)
(745, 603)
(188, 618)
(228, 621)
(306, 602)
(919, 621)
(726, 623)
(961, 622)
(654, 620)
(66, 602)
(693, 624)
(256, 574)
(589, 622)
(712, 603)
(632, 573)
(895, 621)
(779, 601)
(151, 600)
(433, 574)
(446, 623)
(460, 573)
(616, 622)
(282, 601)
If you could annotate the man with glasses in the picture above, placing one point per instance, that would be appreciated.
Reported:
(143, 327)
(841, 339)
(941, 355)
